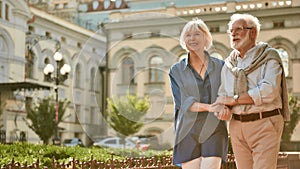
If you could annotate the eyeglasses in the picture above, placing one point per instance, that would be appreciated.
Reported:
(237, 30)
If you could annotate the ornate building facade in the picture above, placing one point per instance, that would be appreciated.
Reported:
(29, 37)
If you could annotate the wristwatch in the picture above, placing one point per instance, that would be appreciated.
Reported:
(236, 97)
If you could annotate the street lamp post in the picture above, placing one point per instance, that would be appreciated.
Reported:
(61, 75)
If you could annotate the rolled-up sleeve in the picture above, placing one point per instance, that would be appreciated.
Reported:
(221, 90)
(268, 88)
(187, 103)
(182, 98)
(175, 91)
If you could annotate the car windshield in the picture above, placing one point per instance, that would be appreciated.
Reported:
(68, 141)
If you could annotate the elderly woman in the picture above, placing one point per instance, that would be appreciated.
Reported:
(200, 138)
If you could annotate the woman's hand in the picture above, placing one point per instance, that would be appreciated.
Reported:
(221, 111)
(225, 114)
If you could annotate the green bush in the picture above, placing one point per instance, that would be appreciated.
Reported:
(29, 153)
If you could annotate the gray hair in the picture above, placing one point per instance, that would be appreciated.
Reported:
(196, 24)
(251, 21)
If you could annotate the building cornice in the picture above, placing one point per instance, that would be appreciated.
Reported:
(68, 25)
(203, 9)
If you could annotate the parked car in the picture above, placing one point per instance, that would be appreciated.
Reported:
(116, 142)
(147, 139)
(72, 142)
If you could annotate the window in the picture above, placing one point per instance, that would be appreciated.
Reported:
(279, 24)
(56, 6)
(79, 45)
(28, 103)
(155, 34)
(46, 61)
(118, 3)
(48, 35)
(46, 78)
(285, 59)
(77, 75)
(65, 5)
(4, 10)
(155, 69)
(128, 36)
(63, 39)
(128, 71)
(95, 5)
(106, 4)
(31, 28)
(29, 66)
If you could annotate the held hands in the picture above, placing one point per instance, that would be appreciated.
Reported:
(221, 109)
(224, 114)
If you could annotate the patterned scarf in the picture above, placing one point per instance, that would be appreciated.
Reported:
(262, 56)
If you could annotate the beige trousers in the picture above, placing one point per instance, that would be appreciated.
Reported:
(256, 144)
(203, 163)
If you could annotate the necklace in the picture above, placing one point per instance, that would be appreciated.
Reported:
(194, 65)
(202, 66)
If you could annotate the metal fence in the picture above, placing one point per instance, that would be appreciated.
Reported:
(285, 161)
(130, 163)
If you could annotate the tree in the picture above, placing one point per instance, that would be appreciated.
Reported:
(289, 127)
(41, 118)
(124, 114)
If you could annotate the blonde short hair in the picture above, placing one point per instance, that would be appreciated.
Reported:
(196, 24)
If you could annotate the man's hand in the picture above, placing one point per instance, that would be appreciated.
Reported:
(221, 111)
(225, 114)
(216, 107)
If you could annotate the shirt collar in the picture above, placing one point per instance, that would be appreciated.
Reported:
(186, 61)
(250, 52)
(209, 65)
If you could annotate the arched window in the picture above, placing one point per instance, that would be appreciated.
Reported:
(92, 79)
(46, 61)
(5, 10)
(156, 69)
(29, 66)
(77, 75)
(183, 56)
(285, 59)
(127, 71)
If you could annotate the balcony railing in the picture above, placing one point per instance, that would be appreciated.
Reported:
(226, 7)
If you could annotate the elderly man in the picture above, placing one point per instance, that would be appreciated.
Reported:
(253, 85)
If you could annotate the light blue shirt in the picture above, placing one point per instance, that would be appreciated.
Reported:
(263, 84)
